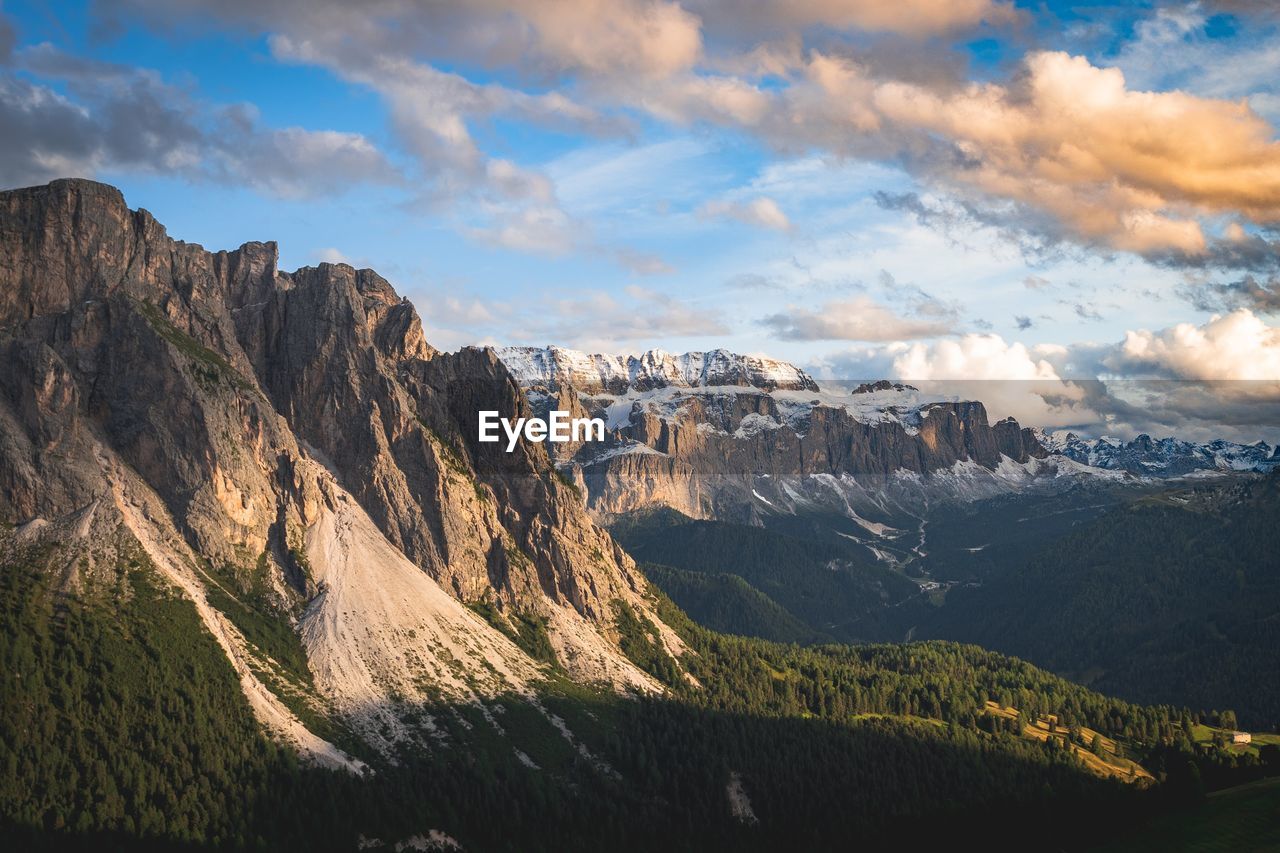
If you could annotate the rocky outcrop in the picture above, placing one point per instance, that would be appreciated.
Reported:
(1018, 442)
(272, 424)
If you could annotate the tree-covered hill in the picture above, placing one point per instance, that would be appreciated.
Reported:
(1174, 598)
(1171, 596)
(123, 727)
(833, 590)
(726, 603)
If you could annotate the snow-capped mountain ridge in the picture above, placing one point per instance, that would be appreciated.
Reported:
(717, 412)
(595, 372)
(1163, 457)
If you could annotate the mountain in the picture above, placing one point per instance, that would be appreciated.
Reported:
(555, 366)
(877, 512)
(261, 587)
(1163, 596)
(291, 442)
(738, 438)
(752, 434)
(726, 603)
(1163, 458)
(830, 587)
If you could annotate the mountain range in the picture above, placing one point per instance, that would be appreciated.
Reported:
(720, 435)
(1164, 458)
(811, 510)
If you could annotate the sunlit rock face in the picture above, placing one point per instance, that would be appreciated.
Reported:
(268, 426)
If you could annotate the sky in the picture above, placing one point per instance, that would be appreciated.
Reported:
(933, 190)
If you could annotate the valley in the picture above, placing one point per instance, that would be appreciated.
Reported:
(1162, 595)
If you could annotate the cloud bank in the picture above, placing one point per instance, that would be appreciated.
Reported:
(1061, 147)
(1221, 377)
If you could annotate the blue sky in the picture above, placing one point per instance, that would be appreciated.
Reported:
(861, 186)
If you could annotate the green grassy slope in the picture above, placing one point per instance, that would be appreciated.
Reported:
(124, 728)
(1237, 819)
(119, 713)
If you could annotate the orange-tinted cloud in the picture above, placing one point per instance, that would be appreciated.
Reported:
(1066, 140)
(1066, 148)
(632, 36)
(1129, 169)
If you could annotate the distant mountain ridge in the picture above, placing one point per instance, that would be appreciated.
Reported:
(721, 435)
(1164, 457)
(594, 372)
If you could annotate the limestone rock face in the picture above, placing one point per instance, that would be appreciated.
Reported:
(247, 404)
(705, 442)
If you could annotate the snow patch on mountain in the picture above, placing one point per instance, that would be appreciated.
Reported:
(627, 448)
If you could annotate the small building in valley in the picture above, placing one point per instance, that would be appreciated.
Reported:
(1241, 737)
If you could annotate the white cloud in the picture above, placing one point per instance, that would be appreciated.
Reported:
(760, 211)
(593, 320)
(331, 255)
(115, 117)
(543, 230)
(613, 178)
(1237, 346)
(597, 318)
(453, 309)
(972, 356)
(1173, 49)
(857, 319)
(1227, 373)
(1011, 379)
(642, 263)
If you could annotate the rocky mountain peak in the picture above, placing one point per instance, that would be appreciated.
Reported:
(882, 385)
(291, 439)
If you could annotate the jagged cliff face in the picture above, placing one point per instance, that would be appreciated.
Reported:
(292, 434)
(716, 448)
